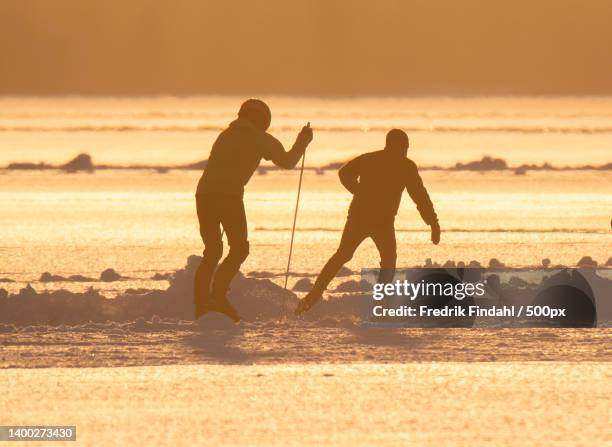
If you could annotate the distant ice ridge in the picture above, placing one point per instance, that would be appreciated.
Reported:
(84, 163)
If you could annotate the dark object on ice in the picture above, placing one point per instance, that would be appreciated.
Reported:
(29, 166)
(572, 293)
(495, 263)
(80, 278)
(161, 276)
(429, 264)
(6, 280)
(48, 277)
(81, 162)
(352, 286)
(517, 282)
(521, 170)
(545, 263)
(344, 271)
(587, 262)
(609, 262)
(303, 285)
(110, 275)
(486, 164)
(494, 285)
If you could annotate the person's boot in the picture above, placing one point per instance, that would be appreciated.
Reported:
(201, 294)
(306, 303)
(225, 307)
(200, 308)
(222, 305)
(201, 302)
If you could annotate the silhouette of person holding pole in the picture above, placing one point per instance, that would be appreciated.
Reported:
(234, 157)
(376, 180)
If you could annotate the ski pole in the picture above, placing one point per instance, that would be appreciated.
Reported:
(297, 204)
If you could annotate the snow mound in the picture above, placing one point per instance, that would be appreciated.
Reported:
(303, 285)
(255, 298)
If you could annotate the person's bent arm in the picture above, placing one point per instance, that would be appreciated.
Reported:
(287, 160)
(349, 175)
(419, 195)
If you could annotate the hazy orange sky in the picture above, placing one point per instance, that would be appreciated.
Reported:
(318, 47)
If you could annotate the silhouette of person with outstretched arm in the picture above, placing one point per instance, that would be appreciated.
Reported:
(377, 181)
(234, 157)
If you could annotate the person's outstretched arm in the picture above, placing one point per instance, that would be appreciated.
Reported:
(273, 149)
(419, 195)
(349, 174)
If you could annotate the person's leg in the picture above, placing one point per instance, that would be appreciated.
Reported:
(383, 235)
(209, 219)
(234, 223)
(352, 236)
(354, 233)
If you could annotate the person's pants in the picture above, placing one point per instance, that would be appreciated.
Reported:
(356, 230)
(216, 211)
